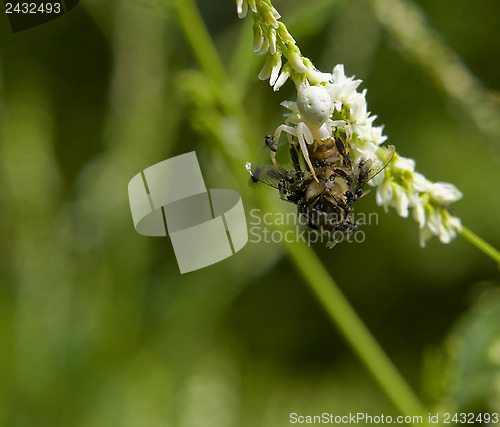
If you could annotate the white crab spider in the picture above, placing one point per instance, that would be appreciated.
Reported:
(311, 115)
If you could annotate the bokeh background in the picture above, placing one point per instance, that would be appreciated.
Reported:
(97, 326)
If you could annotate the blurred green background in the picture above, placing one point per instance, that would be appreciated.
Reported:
(97, 326)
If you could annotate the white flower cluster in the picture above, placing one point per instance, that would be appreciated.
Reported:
(328, 103)
(271, 38)
(399, 186)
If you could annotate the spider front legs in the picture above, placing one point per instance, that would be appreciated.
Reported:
(304, 136)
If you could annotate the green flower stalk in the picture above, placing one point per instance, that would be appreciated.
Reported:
(328, 104)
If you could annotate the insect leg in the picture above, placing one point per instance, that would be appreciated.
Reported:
(295, 157)
(305, 151)
(343, 151)
(272, 144)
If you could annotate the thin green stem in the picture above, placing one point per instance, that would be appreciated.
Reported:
(202, 46)
(354, 331)
(303, 257)
(479, 243)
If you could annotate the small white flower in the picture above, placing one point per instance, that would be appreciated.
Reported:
(258, 37)
(252, 5)
(275, 13)
(401, 201)
(316, 77)
(338, 74)
(454, 223)
(418, 213)
(425, 234)
(420, 182)
(343, 88)
(272, 41)
(385, 193)
(284, 34)
(296, 62)
(405, 163)
(272, 17)
(275, 70)
(441, 223)
(242, 8)
(444, 193)
(265, 73)
(357, 103)
(283, 77)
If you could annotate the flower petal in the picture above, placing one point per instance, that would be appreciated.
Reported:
(444, 193)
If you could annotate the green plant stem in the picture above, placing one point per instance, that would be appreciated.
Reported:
(305, 260)
(479, 243)
(354, 331)
(201, 45)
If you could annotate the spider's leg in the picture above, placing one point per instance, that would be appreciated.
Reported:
(283, 128)
(303, 146)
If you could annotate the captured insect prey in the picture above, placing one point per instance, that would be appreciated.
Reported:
(323, 196)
